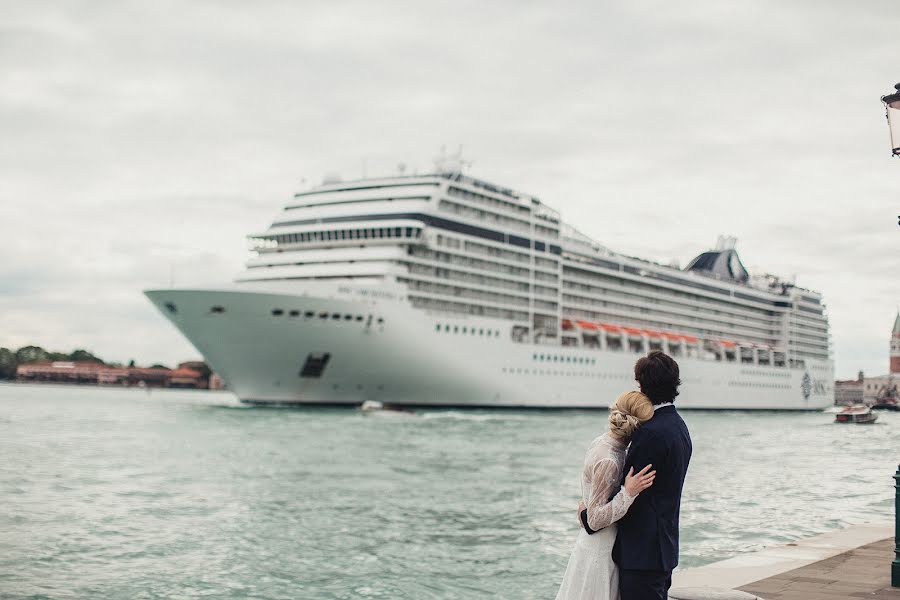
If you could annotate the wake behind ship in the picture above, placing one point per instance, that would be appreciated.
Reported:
(445, 290)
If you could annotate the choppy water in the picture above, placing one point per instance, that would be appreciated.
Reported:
(110, 493)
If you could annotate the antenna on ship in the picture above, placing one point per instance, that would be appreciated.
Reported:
(446, 164)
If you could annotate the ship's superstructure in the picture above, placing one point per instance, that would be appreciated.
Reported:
(443, 289)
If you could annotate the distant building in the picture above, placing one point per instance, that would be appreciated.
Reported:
(186, 378)
(91, 373)
(71, 372)
(200, 369)
(895, 346)
(150, 377)
(94, 373)
(850, 391)
(875, 387)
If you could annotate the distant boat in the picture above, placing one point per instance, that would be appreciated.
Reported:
(373, 406)
(858, 413)
(888, 399)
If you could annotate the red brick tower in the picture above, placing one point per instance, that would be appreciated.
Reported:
(895, 346)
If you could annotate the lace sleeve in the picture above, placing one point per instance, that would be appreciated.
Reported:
(601, 511)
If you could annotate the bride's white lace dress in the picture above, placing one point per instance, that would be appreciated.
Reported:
(591, 572)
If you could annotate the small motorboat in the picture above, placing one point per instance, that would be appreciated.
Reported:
(379, 408)
(858, 413)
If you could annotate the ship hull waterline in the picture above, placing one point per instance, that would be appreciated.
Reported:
(264, 343)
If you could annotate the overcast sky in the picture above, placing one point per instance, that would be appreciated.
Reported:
(141, 141)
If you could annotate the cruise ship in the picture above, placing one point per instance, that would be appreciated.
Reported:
(446, 290)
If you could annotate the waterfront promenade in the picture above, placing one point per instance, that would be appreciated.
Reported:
(847, 563)
(863, 572)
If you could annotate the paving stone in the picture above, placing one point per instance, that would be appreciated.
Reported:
(864, 572)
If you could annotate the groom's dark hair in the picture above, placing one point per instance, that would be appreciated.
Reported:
(658, 375)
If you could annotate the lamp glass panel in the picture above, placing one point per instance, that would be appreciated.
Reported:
(894, 120)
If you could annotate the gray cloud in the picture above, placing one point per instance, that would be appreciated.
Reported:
(145, 139)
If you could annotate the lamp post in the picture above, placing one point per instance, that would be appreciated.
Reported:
(895, 566)
(892, 111)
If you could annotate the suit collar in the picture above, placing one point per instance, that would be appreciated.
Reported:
(665, 410)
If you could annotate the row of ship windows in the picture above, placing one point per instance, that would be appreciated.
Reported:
(764, 373)
(324, 314)
(218, 309)
(483, 215)
(465, 330)
(520, 371)
(454, 275)
(347, 234)
(649, 276)
(582, 360)
(713, 308)
(461, 292)
(639, 316)
(615, 266)
(487, 200)
(464, 292)
(492, 251)
(467, 309)
(523, 211)
(474, 263)
(699, 315)
(771, 386)
(444, 257)
(691, 299)
(611, 312)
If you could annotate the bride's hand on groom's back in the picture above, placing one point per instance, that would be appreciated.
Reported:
(635, 483)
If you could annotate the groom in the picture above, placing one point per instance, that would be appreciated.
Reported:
(646, 548)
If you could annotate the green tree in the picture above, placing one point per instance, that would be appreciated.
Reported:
(30, 354)
(57, 356)
(84, 355)
(131, 364)
(8, 364)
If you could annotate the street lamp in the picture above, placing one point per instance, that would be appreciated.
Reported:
(892, 108)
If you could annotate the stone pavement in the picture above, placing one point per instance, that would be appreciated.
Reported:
(863, 572)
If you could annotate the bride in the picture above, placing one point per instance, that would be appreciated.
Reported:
(591, 573)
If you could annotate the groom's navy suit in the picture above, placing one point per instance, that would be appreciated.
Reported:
(646, 548)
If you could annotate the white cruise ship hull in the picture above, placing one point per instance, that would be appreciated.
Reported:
(411, 357)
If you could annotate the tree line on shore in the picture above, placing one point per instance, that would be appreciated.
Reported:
(11, 359)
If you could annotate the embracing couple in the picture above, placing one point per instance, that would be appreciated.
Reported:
(631, 494)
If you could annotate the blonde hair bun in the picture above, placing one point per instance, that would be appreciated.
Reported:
(628, 412)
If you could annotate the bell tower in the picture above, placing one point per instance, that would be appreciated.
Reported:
(895, 346)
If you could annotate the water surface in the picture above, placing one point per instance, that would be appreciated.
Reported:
(113, 493)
